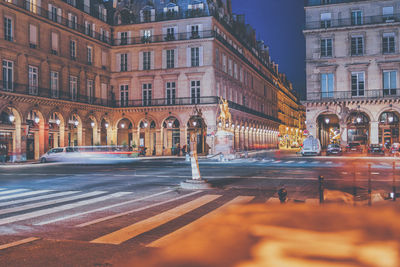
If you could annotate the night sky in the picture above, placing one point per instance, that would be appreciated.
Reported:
(279, 23)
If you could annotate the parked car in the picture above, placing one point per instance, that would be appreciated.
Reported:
(354, 147)
(311, 146)
(333, 149)
(376, 150)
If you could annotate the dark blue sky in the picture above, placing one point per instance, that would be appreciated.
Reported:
(279, 23)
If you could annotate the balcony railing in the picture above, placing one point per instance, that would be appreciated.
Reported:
(23, 89)
(45, 13)
(327, 2)
(348, 95)
(336, 23)
(164, 38)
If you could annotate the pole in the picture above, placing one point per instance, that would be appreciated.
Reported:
(369, 185)
(394, 181)
(321, 189)
(354, 188)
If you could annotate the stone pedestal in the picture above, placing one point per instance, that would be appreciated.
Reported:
(224, 143)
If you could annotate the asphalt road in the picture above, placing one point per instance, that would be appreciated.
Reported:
(98, 215)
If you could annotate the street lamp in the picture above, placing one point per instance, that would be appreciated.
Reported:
(76, 123)
(390, 119)
(170, 124)
(106, 125)
(122, 125)
(92, 124)
(195, 123)
(327, 120)
(11, 118)
(58, 121)
(358, 119)
(36, 120)
(145, 124)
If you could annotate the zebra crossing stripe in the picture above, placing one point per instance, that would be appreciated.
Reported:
(50, 202)
(273, 200)
(276, 161)
(170, 238)
(13, 202)
(135, 210)
(290, 161)
(302, 162)
(12, 191)
(103, 208)
(19, 242)
(25, 194)
(35, 214)
(138, 228)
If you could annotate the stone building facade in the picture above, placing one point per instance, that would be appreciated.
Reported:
(352, 65)
(135, 73)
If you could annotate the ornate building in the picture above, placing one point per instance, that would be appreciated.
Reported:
(131, 73)
(352, 67)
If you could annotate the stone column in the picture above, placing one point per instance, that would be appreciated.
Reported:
(159, 142)
(241, 139)
(343, 134)
(374, 132)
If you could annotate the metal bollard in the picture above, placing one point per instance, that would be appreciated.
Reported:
(369, 185)
(321, 189)
(354, 188)
(394, 181)
(282, 194)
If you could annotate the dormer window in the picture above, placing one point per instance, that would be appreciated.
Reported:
(171, 11)
(147, 14)
(196, 9)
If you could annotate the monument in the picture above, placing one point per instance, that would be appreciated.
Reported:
(224, 138)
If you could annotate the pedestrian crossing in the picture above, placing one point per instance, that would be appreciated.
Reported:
(71, 209)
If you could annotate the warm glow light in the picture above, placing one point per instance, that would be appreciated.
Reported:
(233, 125)
(391, 119)
(170, 124)
(92, 124)
(11, 118)
(145, 124)
(36, 119)
(358, 119)
(327, 120)
(76, 123)
(58, 121)
(227, 125)
(106, 125)
(122, 125)
(195, 123)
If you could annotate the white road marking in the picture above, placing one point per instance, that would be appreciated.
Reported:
(104, 208)
(135, 210)
(12, 191)
(375, 173)
(302, 162)
(19, 242)
(140, 227)
(35, 214)
(314, 162)
(25, 194)
(49, 202)
(290, 161)
(13, 202)
(276, 161)
(181, 232)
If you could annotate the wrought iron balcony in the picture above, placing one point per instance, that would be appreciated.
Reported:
(328, 2)
(354, 95)
(349, 22)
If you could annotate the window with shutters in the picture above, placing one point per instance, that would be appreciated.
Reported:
(103, 59)
(326, 20)
(356, 17)
(195, 56)
(72, 21)
(72, 49)
(195, 92)
(170, 34)
(124, 62)
(54, 43)
(146, 60)
(170, 59)
(357, 45)
(88, 28)
(32, 36)
(8, 75)
(90, 55)
(54, 85)
(389, 82)
(124, 95)
(388, 43)
(124, 38)
(33, 80)
(8, 29)
(194, 32)
(53, 13)
(327, 85)
(146, 94)
(73, 87)
(90, 91)
(147, 35)
(170, 93)
(326, 47)
(357, 83)
(31, 5)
